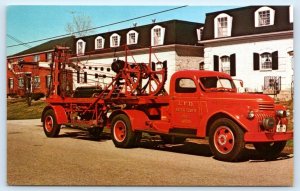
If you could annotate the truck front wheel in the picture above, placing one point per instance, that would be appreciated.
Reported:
(122, 134)
(270, 151)
(50, 126)
(226, 140)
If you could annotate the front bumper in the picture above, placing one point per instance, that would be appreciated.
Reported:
(251, 137)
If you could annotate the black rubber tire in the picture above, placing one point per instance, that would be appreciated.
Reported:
(237, 142)
(270, 151)
(54, 131)
(169, 139)
(130, 138)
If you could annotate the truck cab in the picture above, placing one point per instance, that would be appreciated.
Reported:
(204, 104)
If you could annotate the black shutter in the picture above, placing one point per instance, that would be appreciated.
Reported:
(275, 60)
(85, 77)
(216, 63)
(255, 61)
(232, 65)
(78, 77)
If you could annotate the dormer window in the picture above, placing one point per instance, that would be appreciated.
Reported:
(199, 33)
(80, 47)
(99, 42)
(132, 37)
(264, 16)
(223, 25)
(115, 40)
(157, 35)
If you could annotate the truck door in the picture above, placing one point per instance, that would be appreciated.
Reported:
(186, 111)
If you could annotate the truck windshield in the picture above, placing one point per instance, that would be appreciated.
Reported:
(216, 83)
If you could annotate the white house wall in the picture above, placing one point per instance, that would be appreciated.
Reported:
(254, 80)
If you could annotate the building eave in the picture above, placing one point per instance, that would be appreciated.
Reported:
(163, 48)
(255, 37)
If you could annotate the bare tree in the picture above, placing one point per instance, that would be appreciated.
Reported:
(79, 25)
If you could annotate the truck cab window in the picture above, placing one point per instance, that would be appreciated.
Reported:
(215, 82)
(185, 85)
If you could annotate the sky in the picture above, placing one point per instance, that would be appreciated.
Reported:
(29, 23)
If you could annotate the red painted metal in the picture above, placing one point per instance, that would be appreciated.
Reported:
(49, 123)
(224, 139)
(120, 131)
(254, 137)
(185, 112)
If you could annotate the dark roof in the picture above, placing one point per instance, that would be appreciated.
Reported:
(49, 45)
(243, 21)
(177, 32)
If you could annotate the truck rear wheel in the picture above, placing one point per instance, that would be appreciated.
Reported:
(226, 140)
(122, 134)
(270, 151)
(50, 126)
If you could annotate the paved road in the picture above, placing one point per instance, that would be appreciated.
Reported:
(76, 159)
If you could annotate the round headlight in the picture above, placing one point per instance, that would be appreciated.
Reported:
(251, 114)
(268, 123)
(281, 113)
(288, 113)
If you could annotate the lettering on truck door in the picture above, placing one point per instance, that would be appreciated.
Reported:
(186, 104)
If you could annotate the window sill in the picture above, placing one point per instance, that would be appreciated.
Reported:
(265, 70)
(263, 26)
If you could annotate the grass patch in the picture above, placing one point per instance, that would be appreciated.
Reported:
(18, 109)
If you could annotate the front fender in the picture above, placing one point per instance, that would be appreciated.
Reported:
(137, 118)
(240, 119)
(59, 111)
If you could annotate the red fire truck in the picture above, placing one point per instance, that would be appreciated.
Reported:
(199, 104)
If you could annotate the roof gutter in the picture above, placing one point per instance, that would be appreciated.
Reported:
(275, 35)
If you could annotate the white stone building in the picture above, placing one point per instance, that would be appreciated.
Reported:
(254, 44)
(175, 41)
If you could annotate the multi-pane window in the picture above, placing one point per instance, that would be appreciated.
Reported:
(36, 81)
(264, 18)
(99, 42)
(36, 58)
(222, 26)
(131, 39)
(21, 82)
(11, 83)
(80, 47)
(225, 64)
(157, 36)
(115, 40)
(49, 57)
(48, 81)
(266, 61)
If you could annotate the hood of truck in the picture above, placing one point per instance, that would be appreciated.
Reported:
(230, 96)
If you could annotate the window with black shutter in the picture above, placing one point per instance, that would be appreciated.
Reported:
(216, 63)
(255, 61)
(232, 65)
(275, 60)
